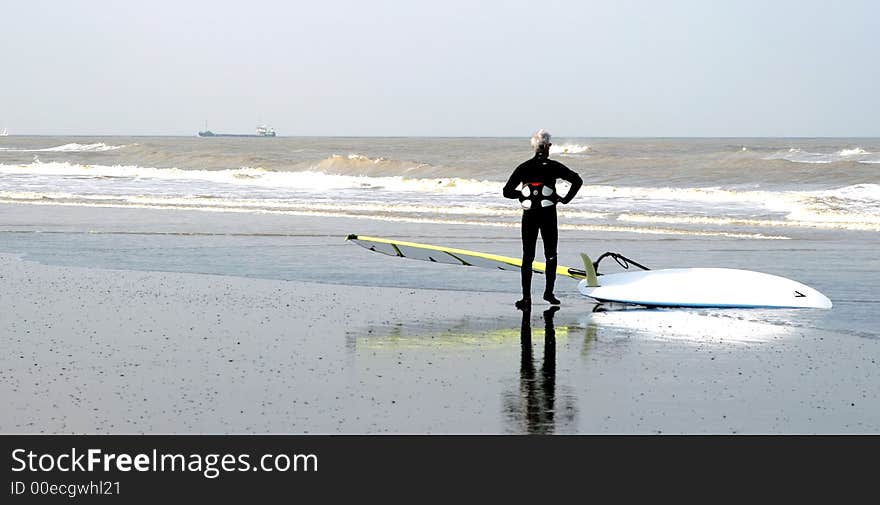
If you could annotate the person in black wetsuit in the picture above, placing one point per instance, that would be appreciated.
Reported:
(534, 184)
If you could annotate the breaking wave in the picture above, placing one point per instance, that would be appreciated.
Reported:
(68, 148)
(855, 207)
(858, 151)
(569, 149)
(395, 213)
(248, 176)
(797, 155)
(713, 210)
(358, 164)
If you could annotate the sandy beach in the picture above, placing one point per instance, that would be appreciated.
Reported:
(131, 350)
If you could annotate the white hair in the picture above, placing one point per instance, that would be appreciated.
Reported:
(540, 139)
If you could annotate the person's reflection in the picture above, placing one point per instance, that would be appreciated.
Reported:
(538, 393)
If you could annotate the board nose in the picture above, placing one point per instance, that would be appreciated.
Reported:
(820, 301)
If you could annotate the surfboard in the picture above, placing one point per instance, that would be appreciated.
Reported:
(671, 287)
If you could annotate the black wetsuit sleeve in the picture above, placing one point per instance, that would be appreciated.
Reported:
(573, 178)
(514, 181)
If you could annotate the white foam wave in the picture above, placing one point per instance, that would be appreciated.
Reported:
(386, 213)
(357, 158)
(259, 177)
(707, 195)
(70, 148)
(858, 151)
(863, 192)
(854, 207)
(669, 231)
(359, 164)
(84, 148)
(848, 222)
(570, 149)
(377, 208)
(797, 155)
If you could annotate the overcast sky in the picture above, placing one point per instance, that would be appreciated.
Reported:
(445, 67)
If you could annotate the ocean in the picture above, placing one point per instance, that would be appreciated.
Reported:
(768, 189)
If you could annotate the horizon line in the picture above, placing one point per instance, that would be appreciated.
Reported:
(194, 135)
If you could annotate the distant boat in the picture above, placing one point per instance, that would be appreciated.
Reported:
(4, 133)
(262, 131)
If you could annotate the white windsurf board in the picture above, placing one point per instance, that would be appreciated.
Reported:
(704, 287)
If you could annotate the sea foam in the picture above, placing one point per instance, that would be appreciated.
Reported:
(569, 149)
(258, 177)
(797, 155)
(69, 148)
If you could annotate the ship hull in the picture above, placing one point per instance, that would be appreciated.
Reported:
(249, 135)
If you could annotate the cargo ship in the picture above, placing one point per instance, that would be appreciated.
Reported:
(262, 131)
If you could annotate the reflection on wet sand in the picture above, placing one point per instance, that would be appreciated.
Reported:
(697, 326)
(531, 401)
(532, 408)
(470, 374)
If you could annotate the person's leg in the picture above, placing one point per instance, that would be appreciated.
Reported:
(550, 238)
(529, 244)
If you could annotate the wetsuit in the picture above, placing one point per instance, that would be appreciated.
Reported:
(538, 177)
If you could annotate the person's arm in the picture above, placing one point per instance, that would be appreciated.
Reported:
(573, 178)
(514, 181)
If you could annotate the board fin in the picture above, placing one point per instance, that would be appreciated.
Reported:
(590, 271)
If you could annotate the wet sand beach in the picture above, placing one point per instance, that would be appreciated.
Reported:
(95, 340)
